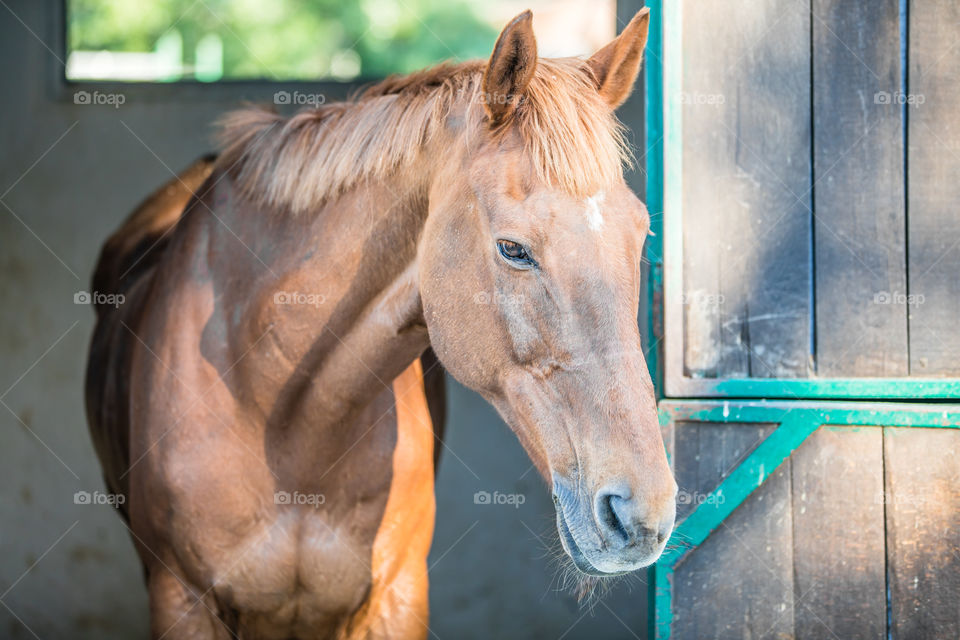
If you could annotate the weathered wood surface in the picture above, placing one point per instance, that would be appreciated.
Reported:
(855, 516)
(933, 116)
(838, 535)
(746, 188)
(858, 190)
(872, 167)
(707, 453)
(739, 583)
(922, 469)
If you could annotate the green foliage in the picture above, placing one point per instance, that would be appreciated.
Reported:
(291, 39)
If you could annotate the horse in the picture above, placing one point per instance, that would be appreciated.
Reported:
(268, 397)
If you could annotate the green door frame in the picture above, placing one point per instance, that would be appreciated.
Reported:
(664, 122)
(801, 406)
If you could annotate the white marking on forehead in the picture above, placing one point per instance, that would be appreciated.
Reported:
(594, 217)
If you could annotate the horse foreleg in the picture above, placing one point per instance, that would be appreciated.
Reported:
(399, 609)
(179, 610)
(398, 606)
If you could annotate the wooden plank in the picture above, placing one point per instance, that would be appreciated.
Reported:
(933, 187)
(706, 453)
(838, 534)
(739, 583)
(922, 475)
(746, 178)
(671, 59)
(859, 227)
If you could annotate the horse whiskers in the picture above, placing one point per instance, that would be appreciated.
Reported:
(588, 590)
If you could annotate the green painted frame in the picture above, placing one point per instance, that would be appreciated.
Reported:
(653, 90)
(664, 122)
(796, 421)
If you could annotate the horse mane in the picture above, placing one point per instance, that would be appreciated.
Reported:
(571, 136)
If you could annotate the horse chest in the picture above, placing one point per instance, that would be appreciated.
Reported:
(276, 557)
(297, 569)
(288, 551)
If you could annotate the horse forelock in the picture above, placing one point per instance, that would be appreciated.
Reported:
(571, 136)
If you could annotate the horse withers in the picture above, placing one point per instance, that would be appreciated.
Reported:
(266, 397)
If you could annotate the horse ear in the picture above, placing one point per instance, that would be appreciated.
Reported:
(510, 68)
(616, 65)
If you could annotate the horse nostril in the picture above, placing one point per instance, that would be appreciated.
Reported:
(624, 520)
(611, 518)
(616, 514)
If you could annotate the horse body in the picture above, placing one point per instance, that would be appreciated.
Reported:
(254, 396)
(264, 413)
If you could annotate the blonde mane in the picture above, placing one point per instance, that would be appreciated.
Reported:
(572, 137)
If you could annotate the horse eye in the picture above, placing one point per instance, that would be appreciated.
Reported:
(515, 254)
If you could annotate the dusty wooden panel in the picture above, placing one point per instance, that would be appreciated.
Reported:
(739, 583)
(706, 453)
(838, 534)
(745, 107)
(859, 190)
(922, 470)
(933, 187)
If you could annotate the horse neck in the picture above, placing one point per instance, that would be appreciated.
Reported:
(337, 291)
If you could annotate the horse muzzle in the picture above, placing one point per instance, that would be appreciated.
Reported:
(612, 532)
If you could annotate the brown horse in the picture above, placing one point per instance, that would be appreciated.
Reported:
(254, 396)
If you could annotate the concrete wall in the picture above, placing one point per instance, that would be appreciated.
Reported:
(68, 174)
